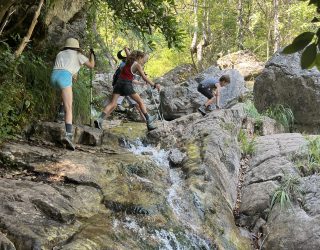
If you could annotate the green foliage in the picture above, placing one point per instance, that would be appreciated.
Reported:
(288, 191)
(251, 110)
(309, 41)
(247, 144)
(25, 91)
(310, 164)
(281, 114)
(145, 17)
(81, 96)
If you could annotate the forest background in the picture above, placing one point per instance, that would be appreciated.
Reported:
(172, 32)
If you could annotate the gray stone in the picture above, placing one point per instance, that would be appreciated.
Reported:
(176, 76)
(284, 82)
(184, 99)
(176, 157)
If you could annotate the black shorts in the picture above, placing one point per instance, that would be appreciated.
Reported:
(207, 92)
(123, 88)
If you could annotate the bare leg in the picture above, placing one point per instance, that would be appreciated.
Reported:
(210, 101)
(112, 105)
(67, 97)
(139, 101)
(140, 113)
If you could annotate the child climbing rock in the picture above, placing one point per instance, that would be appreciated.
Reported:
(124, 87)
(67, 64)
(210, 88)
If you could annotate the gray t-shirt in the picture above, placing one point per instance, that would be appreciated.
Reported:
(209, 82)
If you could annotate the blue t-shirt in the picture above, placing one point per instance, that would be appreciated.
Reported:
(210, 82)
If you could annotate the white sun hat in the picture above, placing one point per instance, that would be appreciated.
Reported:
(72, 43)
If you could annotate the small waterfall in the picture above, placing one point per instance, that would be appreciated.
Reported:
(180, 201)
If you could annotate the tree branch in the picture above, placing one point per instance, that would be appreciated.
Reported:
(26, 39)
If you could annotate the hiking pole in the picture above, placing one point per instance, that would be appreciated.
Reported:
(91, 85)
(159, 113)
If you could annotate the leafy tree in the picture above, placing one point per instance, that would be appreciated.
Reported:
(309, 42)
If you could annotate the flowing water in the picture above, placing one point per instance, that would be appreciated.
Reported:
(184, 204)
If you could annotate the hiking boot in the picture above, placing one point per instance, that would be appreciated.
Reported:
(98, 124)
(202, 110)
(67, 140)
(151, 126)
(152, 118)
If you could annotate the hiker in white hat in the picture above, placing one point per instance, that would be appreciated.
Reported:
(67, 65)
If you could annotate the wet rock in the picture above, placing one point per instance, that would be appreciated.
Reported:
(176, 157)
(210, 168)
(128, 208)
(284, 82)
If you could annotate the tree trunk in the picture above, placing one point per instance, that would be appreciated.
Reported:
(26, 39)
(240, 25)
(276, 32)
(193, 47)
(6, 18)
(4, 7)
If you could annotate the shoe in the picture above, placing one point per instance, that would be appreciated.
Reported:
(152, 118)
(151, 126)
(67, 140)
(202, 110)
(98, 124)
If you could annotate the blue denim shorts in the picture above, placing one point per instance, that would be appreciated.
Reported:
(61, 78)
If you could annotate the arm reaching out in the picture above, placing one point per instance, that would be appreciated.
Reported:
(144, 77)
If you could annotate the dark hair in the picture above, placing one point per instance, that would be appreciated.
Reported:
(225, 78)
(136, 54)
(121, 57)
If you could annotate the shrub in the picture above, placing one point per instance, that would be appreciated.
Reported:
(247, 144)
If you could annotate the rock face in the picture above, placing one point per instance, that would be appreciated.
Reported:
(243, 61)
(110, 197)
(274, 162)
(184, 99)
(284, 82)
(65, 19)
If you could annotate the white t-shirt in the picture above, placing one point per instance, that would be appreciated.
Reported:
(70, 60)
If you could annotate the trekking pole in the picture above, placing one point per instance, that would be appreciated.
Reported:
(91, 97)
(91, 84)
(159, 113)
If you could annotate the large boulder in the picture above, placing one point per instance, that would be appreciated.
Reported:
(244, 61)
(284, 82)
(184, 99)
(176, 76)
